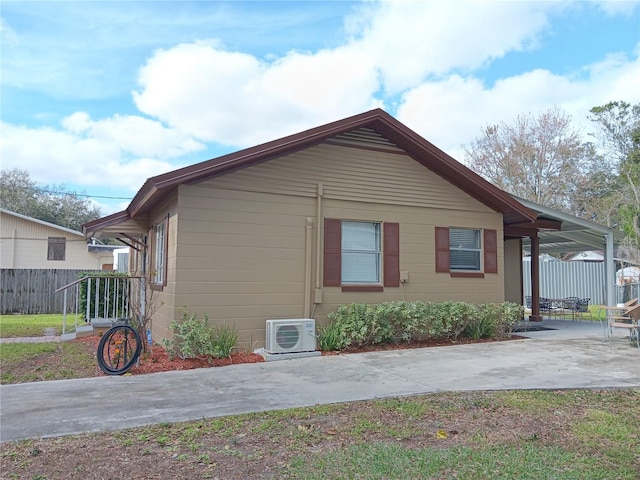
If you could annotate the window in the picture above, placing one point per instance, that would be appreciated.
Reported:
(361, 255)
(360, 252)
(158, 269)
(466, 252)
(464, 249)
(56, 248)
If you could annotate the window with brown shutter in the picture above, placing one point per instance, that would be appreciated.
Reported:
(332, 252)
(443, 264)
(353, 258)
(490, 251)
(391, 254)
(458, 251)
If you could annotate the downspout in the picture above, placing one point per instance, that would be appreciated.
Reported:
(308, 232)
(317, 293)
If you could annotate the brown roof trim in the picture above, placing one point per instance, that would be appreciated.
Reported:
(380, 121)
(113, 219)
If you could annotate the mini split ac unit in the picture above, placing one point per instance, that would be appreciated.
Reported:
(291, 336)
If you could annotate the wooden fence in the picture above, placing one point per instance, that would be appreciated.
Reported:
(30, 291)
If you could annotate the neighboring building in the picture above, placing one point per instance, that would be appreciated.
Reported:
(359, 210)
(29, 243)
(588, 256)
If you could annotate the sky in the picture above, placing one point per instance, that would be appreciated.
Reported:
(98, 96)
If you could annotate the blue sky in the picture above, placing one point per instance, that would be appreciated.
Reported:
(99, 96)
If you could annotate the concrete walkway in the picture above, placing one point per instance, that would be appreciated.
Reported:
(43, 339)
(575, 355)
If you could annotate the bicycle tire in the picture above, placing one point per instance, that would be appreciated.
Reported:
(118, 349)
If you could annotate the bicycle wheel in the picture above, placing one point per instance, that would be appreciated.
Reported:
(118, 349)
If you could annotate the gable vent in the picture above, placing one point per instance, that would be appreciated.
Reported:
(364, 137)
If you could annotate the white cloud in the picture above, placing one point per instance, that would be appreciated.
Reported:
(235, 99)
(618, 7)
(7, 34)
(89, 153)
(133, 134)
(451, 112)
(410, 41)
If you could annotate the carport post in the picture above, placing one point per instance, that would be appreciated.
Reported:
(609, 266)
(535, 278)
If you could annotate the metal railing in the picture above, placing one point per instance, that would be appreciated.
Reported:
(103, 297)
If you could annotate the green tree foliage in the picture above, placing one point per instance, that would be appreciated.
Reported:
(618, 136)
(20, 194)
(543, 159)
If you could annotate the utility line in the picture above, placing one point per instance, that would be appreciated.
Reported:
(53, 192)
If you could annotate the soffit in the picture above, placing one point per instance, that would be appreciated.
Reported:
(574, 235)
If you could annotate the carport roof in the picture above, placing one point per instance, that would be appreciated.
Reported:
(575, 234)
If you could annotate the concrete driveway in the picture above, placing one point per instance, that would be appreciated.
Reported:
(574, 355)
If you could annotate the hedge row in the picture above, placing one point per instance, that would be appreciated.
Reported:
(360, 324)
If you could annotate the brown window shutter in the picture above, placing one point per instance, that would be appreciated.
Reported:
(443, 264)
(490, 251)
(332, 252)
(391, 254)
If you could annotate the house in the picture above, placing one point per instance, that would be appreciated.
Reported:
(358, 210)
(29, 243)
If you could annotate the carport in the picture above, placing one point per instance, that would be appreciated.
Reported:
(558, 232)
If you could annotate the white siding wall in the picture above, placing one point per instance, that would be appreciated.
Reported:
(24, 244)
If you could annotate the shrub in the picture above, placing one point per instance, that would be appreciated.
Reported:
(194, 338)
(225, 338)
(330, 337)
(361, 324)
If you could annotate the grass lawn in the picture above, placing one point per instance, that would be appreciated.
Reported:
(31, 325)
(561, 435)
(33, 362)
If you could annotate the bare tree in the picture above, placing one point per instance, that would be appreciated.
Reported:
(542, 159)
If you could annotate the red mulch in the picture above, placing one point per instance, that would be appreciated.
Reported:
(429, 342)
(157, 360)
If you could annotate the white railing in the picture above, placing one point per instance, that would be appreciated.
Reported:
(101, 298)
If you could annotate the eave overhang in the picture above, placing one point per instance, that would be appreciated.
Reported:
(155, 189)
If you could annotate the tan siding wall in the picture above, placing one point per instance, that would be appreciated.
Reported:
(24, 244)
(513, 271)
(353, 174)
(164, 300)
(241, 257)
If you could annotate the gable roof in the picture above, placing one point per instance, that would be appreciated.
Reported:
(379, 121)
(42, 222)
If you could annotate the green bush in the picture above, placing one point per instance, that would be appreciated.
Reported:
(361, 324)
(194, 338)
(330, 337)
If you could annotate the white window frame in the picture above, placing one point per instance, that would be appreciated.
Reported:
(159, 253)
(458, 249)
(363, 254)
